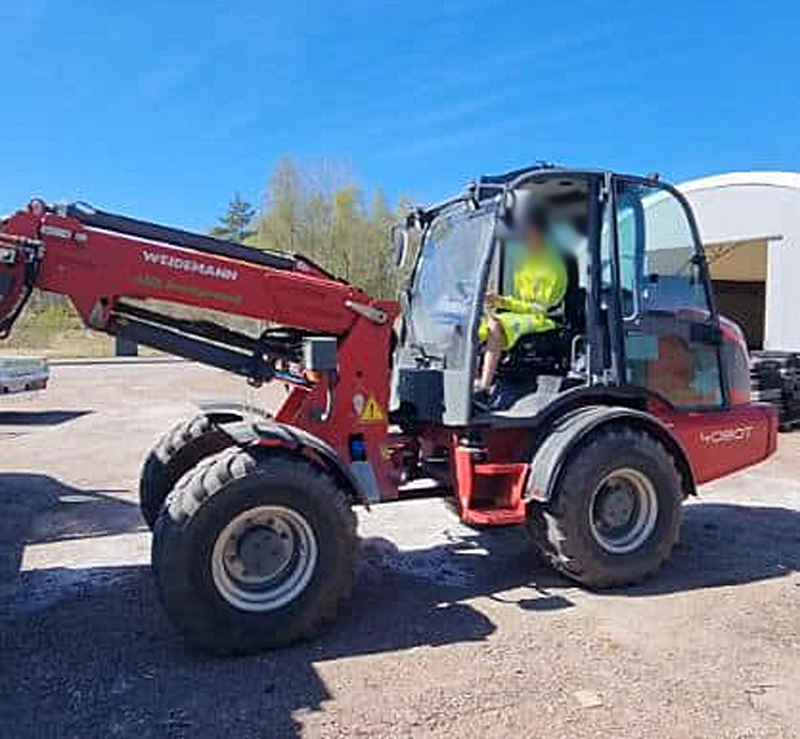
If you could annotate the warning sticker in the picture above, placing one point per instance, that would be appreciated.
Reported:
(372, 412)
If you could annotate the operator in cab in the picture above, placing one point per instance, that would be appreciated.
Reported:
(539, 283)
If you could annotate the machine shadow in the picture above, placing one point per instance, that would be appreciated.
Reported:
(39, 418)
(721, 544)
(97, 636)
(36, 509)
(100, 631)
(727, 544)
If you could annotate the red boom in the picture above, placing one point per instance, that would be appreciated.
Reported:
(98, 269)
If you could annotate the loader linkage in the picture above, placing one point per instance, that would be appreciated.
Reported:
(600, 427)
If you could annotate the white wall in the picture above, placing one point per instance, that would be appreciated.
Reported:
(745, 206)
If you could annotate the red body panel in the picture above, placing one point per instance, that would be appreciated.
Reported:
(95, 265)
(718, 443)
(489, 494)
(360, 401)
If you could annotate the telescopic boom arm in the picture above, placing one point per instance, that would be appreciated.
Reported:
(101, 261)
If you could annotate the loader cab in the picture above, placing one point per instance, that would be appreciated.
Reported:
(637, 319)
(554, 358)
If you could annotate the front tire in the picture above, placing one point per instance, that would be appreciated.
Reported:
(615, 513)
(178, 450)
(253, 551)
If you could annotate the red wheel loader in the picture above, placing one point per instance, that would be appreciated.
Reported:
(600, 429)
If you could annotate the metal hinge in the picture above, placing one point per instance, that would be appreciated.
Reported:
(604, 190)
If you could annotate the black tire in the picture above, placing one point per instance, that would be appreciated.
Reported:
(180, 449)
(206, 502)
(565, 529)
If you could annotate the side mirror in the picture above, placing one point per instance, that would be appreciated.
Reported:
(399, 245)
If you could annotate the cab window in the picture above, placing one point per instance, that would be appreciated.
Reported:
(668, 321)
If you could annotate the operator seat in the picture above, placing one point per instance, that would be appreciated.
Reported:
(548, 353)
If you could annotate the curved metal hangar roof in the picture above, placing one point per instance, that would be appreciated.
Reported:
(750, 225)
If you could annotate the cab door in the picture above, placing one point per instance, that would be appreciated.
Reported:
(434, 366)
(670, 331)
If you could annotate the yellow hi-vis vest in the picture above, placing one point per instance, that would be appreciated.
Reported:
(539, 283)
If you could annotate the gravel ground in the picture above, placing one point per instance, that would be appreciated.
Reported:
(450, 632)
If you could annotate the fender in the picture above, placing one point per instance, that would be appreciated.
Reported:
(551, 456)
(271, 434)
(222, 412)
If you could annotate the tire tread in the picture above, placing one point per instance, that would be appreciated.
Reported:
(196, 489)
(178, 450)
(548, 524)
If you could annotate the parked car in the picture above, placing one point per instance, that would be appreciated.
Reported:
(22, 374)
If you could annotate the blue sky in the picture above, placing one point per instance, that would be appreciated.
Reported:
(164, 109)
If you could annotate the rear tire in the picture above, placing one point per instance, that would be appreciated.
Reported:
(180, 449)
(616, 511)
(254, 551)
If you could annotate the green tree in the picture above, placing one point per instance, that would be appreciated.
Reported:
(320, 211)
(235, 225)
(282, 209)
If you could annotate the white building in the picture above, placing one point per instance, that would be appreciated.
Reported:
(750, 225)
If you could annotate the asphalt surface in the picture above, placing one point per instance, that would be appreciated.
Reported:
(450, 632)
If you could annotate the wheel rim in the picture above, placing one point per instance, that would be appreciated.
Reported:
(264, 558)
(624, 511)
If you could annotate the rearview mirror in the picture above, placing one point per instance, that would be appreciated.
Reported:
(399, 245)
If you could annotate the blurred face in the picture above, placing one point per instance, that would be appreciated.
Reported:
(534, 239)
